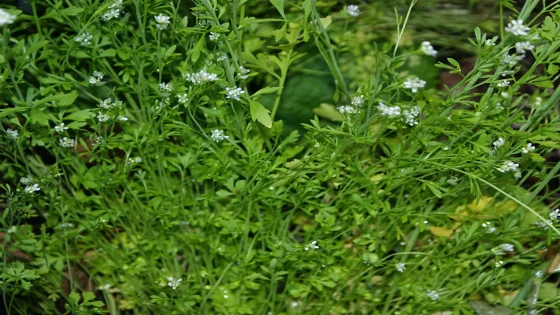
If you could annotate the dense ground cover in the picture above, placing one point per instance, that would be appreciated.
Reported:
(279, 157)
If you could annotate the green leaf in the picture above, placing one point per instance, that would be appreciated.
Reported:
(108, 53)
(197, 49)
(260, 113)
(266, 90)
(71, 11)
(328, 111)
(67, 99)
(38, 116)
(88, 296)
(279, 5)
(455, 63)
(80, 115)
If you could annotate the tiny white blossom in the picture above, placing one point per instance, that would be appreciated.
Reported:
(520, 47)
(511, 60)
(489, 42)
(122, 118)
(234, 93)
(26, 180)
(543, 225)
(503, 83)
(346, 109)
(499, 263)
(218, 135)
(162, 21)
(499, 143)
(313, 245)
(489, 229)
(358, 101)
(96, 78)
(105, 287)
(504, 94)
(60, 128)
(182, 98)
(12, 133)
(400, 267)
(12, 229)
(528, 148)
(84, 39)
(508, 166)
(166, 87)
(410, 115)
(389, 111)
(516, 27)
(214, 36)
(413, 84)
(538, 101)
(102, 117)
(32, 188)
(353, 10)
(66, 142)
(433, 295)
(113, 11)
(98, 140)
(427, 49)
(6, 18)
(173, 283)
(67, 225)
(554, 215)
(502, 248)
(201, 77)
(244, 73)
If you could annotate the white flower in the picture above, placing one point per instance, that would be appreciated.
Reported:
(6, 18)
(12, 133)
(182, 98)
(358, 101)
(499, 263)
(122, 118)
(504, 94)
(166, 87)
(414, 84)
(84, 39)
(508, 166)
(433, 295)
(32, 188)
(66, 143)
(543, 225)
(26, 180)
(501, 249)
(538, 101)
(243, 73)
(511, 60)
(201, 77)
(12, 229)
(218, 135)
(173, 283)
(214, 36)
(528, 148)
(520, 47)
(400, 267)
(98, 140)
(389, 111)
(554, 215)
(504, 83)
(489, 42)
(516, 27)
(234, 93)
(162, 21)
(96, 78)
(489, 229)
(67, 225)
(498, 143)
(313, 245)
(353, 10)
(132, 161)
(60, 128)
(105, 287)
(346, 109)
(427, 49)
(108, 104)
(113, 11)
(410, 115)
(102, 117)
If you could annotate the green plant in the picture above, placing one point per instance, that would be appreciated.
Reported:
(146, 168)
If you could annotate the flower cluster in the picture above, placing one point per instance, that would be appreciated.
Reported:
(218, 135)
(516, 27)
(413, 84)
(30, 187)
(401, 267)
(346, 109)
(12, 133)
(6, 18)
(244, 73)
(84, 39)
(488, 228)
(214, 36)
(109, 104)
(162, 21)
(528, 148)
(66, 142)
(358, 101)
(132, 161)
(201, 77)
(521, 47)
(410, 115)
(182, 98)
(234, 93)
(498, 143)
(313, 245)
(427, 49)
(165, 87)
(433, 295)
(60, 128)
(502, 248)
(353, 10)
(508, 166)
(389, 111)
(113, 11)
(96, 78)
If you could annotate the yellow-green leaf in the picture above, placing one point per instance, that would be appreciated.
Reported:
(260, 113)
